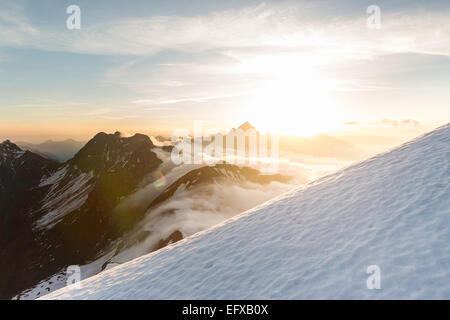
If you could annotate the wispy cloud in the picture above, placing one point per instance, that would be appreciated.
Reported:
(386, 122)
(39, 103)
(100, 111)
(279, 26)
(180, 100)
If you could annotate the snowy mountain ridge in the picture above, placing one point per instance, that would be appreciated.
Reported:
(9, 151)
(392, 211)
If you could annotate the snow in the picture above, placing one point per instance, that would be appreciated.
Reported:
(315, 242)
(62, 200)
(54, 178)
(9, 152)
(52, 283)
(59, 280)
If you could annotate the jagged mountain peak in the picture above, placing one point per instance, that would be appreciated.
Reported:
(7, 144)
(117, 136)
(105, 151)
(246, 126)
(9, 151)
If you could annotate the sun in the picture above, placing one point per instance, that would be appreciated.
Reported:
(292, 99)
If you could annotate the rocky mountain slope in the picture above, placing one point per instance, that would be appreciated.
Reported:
(66, 216)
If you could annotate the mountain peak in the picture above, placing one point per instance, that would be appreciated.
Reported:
(7, 145)
(6, 142)
(246, 126)
(109, 137)
(105, 150)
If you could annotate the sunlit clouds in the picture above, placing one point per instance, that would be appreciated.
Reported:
(294, 67)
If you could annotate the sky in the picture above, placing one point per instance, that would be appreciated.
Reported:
(296, 67)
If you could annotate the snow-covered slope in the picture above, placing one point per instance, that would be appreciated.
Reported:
(392, 211)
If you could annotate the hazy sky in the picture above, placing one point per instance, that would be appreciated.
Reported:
(292, 66)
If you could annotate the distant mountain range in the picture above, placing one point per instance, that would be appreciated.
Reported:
(56, 150)
(321, 145)
(60, 214)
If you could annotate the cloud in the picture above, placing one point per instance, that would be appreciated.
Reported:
(77, 103)
(193, 210)
(401, 123)
(405, 123)
(99, 111)
(275, 25)
(15, 28)
(179, 100)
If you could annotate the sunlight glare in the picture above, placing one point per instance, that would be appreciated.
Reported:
(293, 101)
